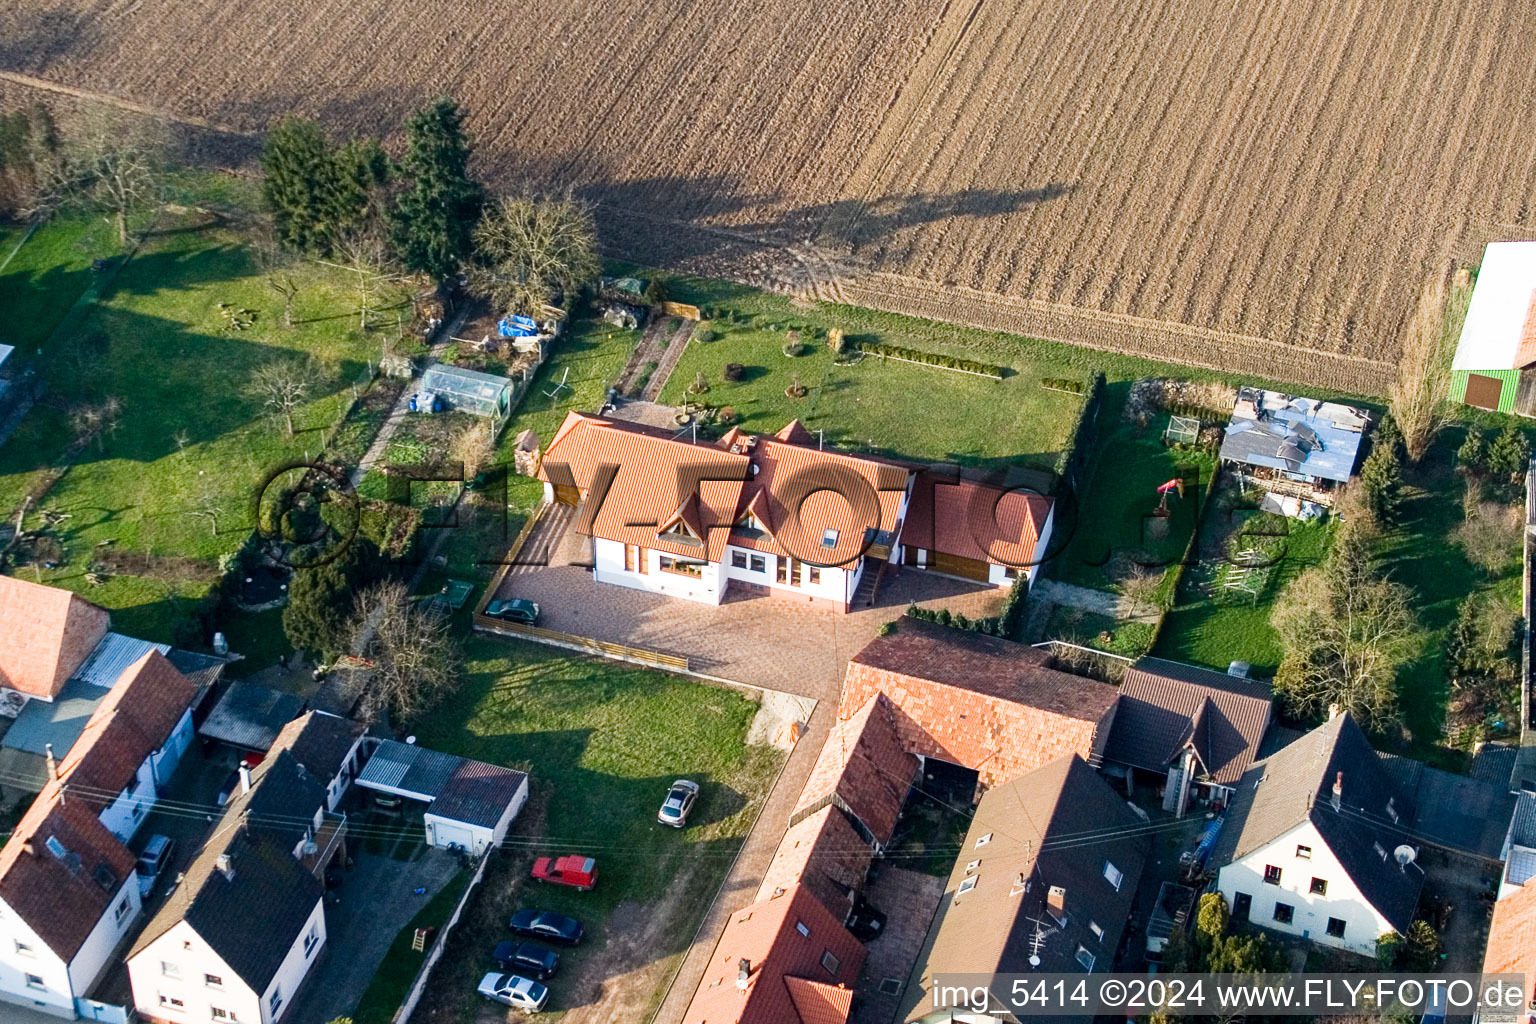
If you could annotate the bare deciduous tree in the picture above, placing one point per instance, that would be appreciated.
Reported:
(529, 250)
(1490, 535)
(474, 447)
(1345, 630)
(366, 254)
(114, 162)
(1418, 393)
(285, 384)
(416, 659)
(1138, 583)
(94, 422)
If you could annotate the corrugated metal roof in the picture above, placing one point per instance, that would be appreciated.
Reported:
(250, 716)
(1295, 435)
(1521, 867)
(478, 793)
(1522, 830)
(112, 657)
(409, 770)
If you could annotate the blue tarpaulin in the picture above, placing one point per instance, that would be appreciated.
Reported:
(1207, 842)
(517, 327)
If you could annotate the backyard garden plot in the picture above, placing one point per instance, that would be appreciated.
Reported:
(167, 485)
(1192, 181)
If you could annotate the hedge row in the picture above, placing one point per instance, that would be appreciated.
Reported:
(1077, 387)
(1074, 454)
(992, 626)
(932, 359)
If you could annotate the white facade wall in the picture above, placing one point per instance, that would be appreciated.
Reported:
(123, 815)
(168, 756)
(447, 832)
(1043, 544)
(23, 953)
(92, 959)
(608, 558)
(836, 584)
(192, 962)
(348, 771)
(1363, 924)
(295, 967)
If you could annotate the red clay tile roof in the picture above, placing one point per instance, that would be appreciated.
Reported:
(48, 633)
(1166, 707)
(979, 701)
(62, 897)
(132, 722)
(794, 432)
(975, 520)
(825, 854)
(864, 769)
(765, 934)
(798, 492)
(1512, 937)
(818, 1002)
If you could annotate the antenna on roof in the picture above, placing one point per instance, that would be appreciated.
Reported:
(1404, 855)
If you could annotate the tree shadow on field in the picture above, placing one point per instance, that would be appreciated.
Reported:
(42, 36)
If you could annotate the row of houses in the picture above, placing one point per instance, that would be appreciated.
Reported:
(1319, 840)
(244, 925)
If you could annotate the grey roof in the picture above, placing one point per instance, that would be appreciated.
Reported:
(1295, 435)
(1034, 826)
(250, 716)
(1467, 814)
(1166, 707)
(201, 670)
(252, 919)
(59, 721)
(478, 794)
(320, 741)
(112, 657)
(1296, 785)
(1522, 826)
(409, 769)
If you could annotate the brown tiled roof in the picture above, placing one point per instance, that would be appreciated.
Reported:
(979, 701)
(1296, 784)
(478, 793)
(818, 1002)
(1512, 937)
(825, 854)
(134, 721)
(1166, 707)
(765, 934)
(319, 741)
(48, 633)
(1031, 838)
(62, 898)
(864, 769)
(975, 520)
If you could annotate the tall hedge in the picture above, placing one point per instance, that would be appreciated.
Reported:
(1074, 454)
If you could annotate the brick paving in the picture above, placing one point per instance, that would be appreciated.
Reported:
(767, 642)
(909, 900)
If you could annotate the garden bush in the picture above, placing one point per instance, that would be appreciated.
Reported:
(932, 359)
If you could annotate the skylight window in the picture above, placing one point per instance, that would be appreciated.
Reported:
(55, 847)
(829, 538)
(968, 884)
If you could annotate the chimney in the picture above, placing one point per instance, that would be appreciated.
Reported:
(743, 973)
(1338, 789)
(1334, 711)
(1056, 904)
(245, 777)
(53, 764)
(225, 867)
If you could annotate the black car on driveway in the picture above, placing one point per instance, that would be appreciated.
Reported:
(526, 958)
(546, 924)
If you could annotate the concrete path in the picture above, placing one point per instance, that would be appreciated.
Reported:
(1101, 602)
(377, 899)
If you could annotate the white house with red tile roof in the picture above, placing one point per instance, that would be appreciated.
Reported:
(49, 632)
(772, 514)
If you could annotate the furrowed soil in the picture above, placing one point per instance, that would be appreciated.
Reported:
(1260, 186)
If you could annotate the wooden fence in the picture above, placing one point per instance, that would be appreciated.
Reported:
(585, 644)
(408, 1007)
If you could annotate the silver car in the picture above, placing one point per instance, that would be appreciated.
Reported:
(680, 800)
(514, 990)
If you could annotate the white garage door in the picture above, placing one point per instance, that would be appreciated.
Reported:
(447, 833)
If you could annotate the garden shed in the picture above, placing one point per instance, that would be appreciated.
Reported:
(469, 391)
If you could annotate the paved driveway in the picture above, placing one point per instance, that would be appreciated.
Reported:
(760, 641)
(377, 899)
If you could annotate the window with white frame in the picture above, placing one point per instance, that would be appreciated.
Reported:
(275, 1001)
(1097, 929)
(802, 929)
(36, 981)
(983, 840)
(1113, 875)
(25, 948)
(1085, 958)
(312, 939)
(213, 981)
(966, 885)
(170, 970)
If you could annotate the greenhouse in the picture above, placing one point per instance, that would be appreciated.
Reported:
(468, 391)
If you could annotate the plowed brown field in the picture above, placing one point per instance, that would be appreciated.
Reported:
(1262, 185)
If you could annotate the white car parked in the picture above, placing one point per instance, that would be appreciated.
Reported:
(514, 990)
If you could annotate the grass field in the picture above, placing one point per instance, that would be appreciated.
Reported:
(387, 990)
(46, 274)
(192, 436)
(602, 741)
(594, 352)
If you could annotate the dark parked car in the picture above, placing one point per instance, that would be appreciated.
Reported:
(546, 924)
(515, 610)
(526, 958)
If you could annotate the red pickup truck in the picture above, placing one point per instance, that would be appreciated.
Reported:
(577, 872)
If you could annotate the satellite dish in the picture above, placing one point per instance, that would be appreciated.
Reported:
(1034, 960)
(310, 849)
(1404, 855)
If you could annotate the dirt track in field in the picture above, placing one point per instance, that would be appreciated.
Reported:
(1261, 185)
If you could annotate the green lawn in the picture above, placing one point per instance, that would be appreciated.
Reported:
(594, 352)
(1215, 629)
(602, 741)
(47, 274)
(1114, 514)
(191, 433)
